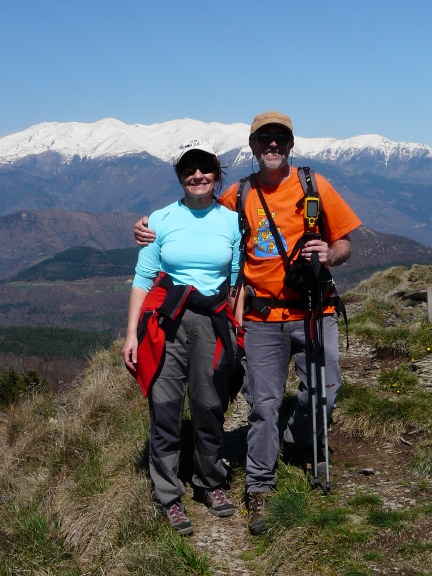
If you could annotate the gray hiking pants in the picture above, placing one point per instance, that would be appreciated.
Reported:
(190, 349)
(269, 348)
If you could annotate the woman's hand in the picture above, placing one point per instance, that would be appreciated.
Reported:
(129, 352)
(130, 347)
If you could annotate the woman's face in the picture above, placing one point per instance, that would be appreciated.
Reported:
(198, 181)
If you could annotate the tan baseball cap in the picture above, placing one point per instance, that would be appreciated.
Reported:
(271, 117)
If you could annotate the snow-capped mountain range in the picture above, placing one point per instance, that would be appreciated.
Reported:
(112, 138)
(109, 166)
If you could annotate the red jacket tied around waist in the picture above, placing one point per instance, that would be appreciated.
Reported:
(164, 303)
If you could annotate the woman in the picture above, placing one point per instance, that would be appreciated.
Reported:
(180, 294)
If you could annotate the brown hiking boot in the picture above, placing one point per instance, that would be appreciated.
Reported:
(302, 456)
(258, 513)
(176, 516)
(321, 459)
(218, 503)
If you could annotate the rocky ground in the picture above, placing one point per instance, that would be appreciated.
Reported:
(373, 465)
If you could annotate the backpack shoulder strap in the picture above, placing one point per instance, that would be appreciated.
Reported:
(244, 186)
(243, 189)
(310, 190)
(308, 181)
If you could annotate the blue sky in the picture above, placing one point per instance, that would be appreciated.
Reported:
(338, 68)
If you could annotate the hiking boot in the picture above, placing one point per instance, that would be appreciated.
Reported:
(176, 516)
(303, 457)
(258, 513)
(321, 460)
(321, 468)
(218, 503)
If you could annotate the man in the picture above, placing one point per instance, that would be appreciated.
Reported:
(271, 339)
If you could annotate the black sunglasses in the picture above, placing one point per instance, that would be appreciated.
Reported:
(203, 168)
(266, 139)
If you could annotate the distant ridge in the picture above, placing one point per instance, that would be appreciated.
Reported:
(81, 262)
(372, 251)
(30, 237)
(91, 242)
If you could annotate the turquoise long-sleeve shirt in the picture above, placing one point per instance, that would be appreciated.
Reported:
(195, 247)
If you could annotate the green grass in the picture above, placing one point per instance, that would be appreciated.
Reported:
(415, 548)
(32, 541)
(365, 413)
(164, 552)
(329, 518)
(399, 380)
(421, 461)
(386, 519)
(419, 342)
(187, 559)
(321, 538)
(372, 556)
(87, 470)
(78, 500)
(365, 500)
(291, 504)
(310, 532)
(408, 332)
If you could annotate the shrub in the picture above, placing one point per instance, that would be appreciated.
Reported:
(14, 385)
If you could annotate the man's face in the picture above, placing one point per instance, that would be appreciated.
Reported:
(271, 146)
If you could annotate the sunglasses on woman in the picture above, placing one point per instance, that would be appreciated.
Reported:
(203, 168)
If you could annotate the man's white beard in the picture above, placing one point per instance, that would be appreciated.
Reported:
(271, 165)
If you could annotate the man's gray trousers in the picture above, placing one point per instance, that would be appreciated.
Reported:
(269, 348)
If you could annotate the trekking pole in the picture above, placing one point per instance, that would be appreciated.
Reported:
(327, 486)
(313, 389)
(318, 343)
(320, 321)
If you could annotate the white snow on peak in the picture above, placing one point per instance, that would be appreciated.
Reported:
(332, 149)
(111, 137)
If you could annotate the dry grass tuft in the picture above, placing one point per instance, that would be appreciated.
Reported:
(72, 460)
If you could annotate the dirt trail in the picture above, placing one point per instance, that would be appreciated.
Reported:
(226, 539)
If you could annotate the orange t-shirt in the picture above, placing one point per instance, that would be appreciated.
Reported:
(264, 268)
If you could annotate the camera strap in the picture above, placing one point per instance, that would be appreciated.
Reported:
(244, 226)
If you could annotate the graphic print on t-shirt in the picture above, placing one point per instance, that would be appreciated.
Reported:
(264, 243)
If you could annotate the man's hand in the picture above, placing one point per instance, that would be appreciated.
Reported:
(318, 246)
(143, 235)
(237, 304)
(334, 255)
